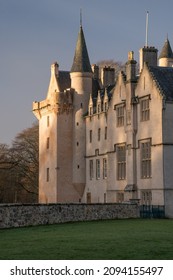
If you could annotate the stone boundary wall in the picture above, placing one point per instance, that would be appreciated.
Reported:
(21, 215)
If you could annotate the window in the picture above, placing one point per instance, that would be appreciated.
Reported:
(48, 121)
(47, 175)
(106, 106)
(104, 168)
(98, 108)
(146, 197)
(121, 162)
(120, 115)
(91, 134)
(90, 111)
(145, 110)
(91, 169)
(97, 169)
(99, 134)
(106, 130)
(146, 160)
(47, 143)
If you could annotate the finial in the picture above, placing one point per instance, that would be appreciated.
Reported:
(81, 17)
(131, 55)
(146, 40)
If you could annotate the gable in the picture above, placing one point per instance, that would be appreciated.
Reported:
(119, 92)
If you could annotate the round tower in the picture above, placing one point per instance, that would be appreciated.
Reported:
(81, 81)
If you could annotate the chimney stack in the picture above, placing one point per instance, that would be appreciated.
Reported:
(148, 55)
(107, 76)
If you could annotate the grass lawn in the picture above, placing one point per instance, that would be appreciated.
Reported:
(97, 240)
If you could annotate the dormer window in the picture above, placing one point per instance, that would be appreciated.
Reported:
(106, 106)
(98, 108)
(90, 111)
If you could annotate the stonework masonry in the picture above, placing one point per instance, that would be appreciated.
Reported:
(22, 215)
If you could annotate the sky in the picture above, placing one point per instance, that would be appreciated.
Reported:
(36, 33)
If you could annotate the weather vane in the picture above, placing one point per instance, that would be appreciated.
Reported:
(80, 16)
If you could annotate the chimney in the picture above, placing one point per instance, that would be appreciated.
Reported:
(95, 69)
(148, 55)
(131, 67)
(107, 76)
(55, 69)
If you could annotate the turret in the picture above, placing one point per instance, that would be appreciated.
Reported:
(53, 84)
(166, 55)
(81, 73)
(81, 81)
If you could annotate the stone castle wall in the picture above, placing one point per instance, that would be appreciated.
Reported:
(21, 215)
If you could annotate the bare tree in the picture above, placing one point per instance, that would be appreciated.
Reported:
(24, 156)
(7, 182)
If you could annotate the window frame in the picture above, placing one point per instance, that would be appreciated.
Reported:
(48, 143)
(106, 132)
(120, 115)
(90, 136)
(48, 121)
(145, 158)
(47, 174)
(146, 197)
(97, 169)
(121, 161)
(105, 168)
(91, 169)
(145, 109)
(99, 134)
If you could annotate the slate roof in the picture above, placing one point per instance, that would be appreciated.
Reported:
(163, 77)
(166, 51)
(81, 62)
(64, 80)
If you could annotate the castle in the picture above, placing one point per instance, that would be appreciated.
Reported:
(102, 140)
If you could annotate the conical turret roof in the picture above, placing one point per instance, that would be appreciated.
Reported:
(166, 50)
(81, 62)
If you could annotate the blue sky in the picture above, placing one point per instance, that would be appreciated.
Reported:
(35, 33)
